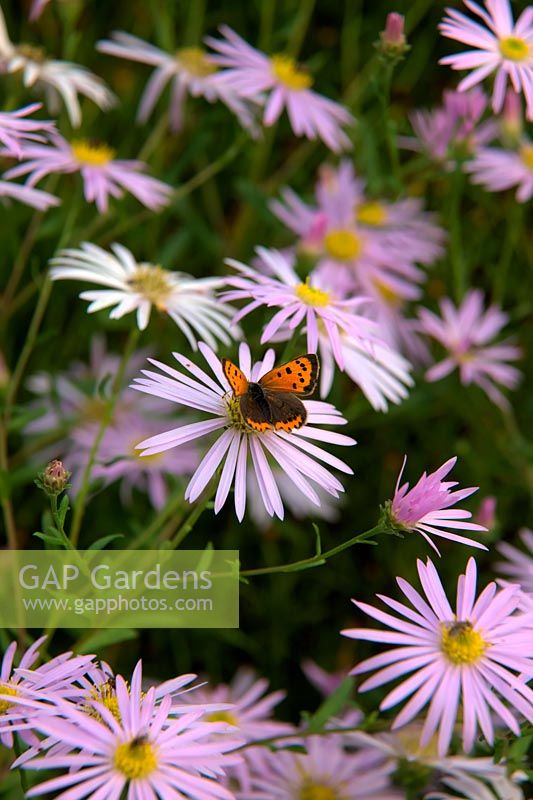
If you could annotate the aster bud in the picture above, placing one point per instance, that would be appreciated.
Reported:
(54, 479)
(486, 514)
(392, 43)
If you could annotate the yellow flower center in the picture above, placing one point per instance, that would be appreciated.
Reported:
(136, 759)
(106, 695)
(93, 155)
(318, 791)
(526, 154)
(342, 244)
(223, 716)
(32, 53)
(236, 419)
(514, 48)
(286, 70)
(312, 296)
(152, 283)
(5, 705)
(461, 644)
(371, 214)
(195, 61)
(388, 294)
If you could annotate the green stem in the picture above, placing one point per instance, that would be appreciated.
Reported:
(81, 499)
(190, 522)
(300, 26)
(456, 249)
(512, 237)
(389, 127)
(319, 558)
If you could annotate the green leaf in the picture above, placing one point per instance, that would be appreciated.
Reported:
(331, 706)
(51, 539)
(105, 638)
(102, 543)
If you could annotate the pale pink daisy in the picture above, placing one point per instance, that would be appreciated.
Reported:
(297, 503)
(24, 688)
(503, 46)
(59, 80)
(498, 169)
(518, 567)
(35, 198)
(143, 751)
(426, 508)
(118, 460)
(236, 444)
(308, 303)
(466, 332)
(249, 710)
(15, 128)
(326, 771)
(469, 660)
(495, 785)
(284, 85)
(132, 285)
(103, 176)
(190, 70)
(454, 130)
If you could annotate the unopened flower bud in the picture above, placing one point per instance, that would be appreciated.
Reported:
(54, 479)
(486, 514)
(392, 43)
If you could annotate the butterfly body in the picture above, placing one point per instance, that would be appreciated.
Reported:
(272, 403)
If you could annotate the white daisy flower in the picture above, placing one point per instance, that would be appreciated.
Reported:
(133, 285)
(59, 80)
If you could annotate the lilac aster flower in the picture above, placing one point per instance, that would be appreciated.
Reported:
(35, 198)
(518, 567)
(236, 444)
(103, 176)
(143, 751)
(189, 71)
(298, 504)
(426, 508)
(454, 130)
(469, 660)
(119, 460)
(23, 689)
(249, 709)
(285, 84)
(497, 169)
(15, 128)
(308, 303)
(503, 46)
(59, 80)
(326, 771)
(465, 331)
(132, 285)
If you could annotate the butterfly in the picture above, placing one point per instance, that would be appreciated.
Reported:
(272, 403)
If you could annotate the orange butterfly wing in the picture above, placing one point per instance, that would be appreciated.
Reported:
(298, 376)
(236, 379)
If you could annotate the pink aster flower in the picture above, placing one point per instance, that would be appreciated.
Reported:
(103, 176)
(426, 508)
(518, 567)
(141, 749)
(16, 129)
(469, 660)
(249, 709)
(35, 198)
(284, 85)
(297, 503)
(325, 770)
(453, 130)
(498, 169)
(308, 303)
(119, 460)
(466, 331)
(236, 444)
(189, 71)
(503, 46)
(24, 688)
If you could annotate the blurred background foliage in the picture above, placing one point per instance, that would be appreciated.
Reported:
(284, 618)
